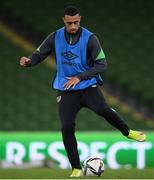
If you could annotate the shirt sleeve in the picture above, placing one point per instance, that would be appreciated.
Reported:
(45, 49)
(97, 57)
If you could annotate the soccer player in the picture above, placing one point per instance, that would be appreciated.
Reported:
(79, 62)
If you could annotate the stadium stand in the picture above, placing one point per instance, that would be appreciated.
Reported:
(125, 31)
(21, 106)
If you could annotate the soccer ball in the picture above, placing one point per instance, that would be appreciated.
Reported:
(93, 166)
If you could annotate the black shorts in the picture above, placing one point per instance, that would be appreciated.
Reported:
(70, 102)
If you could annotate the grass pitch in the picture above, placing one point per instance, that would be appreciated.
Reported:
(46, 173)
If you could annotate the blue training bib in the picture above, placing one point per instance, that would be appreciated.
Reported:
(71, 60)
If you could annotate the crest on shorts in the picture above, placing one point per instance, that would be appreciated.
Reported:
(58, 99)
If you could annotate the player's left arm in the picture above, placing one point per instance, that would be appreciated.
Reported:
(96, 59)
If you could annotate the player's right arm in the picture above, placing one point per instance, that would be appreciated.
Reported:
(44, 50)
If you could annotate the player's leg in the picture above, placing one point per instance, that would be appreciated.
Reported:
(97, 103)
(68, 106)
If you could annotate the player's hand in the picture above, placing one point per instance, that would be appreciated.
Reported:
(24, 61)
(72, 82)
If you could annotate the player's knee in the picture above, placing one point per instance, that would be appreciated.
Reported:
(68, 128)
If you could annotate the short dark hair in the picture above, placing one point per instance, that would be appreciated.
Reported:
(71, 11)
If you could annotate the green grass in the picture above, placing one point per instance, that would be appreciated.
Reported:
(46, 173)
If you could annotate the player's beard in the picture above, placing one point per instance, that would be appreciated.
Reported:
(73, 31)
